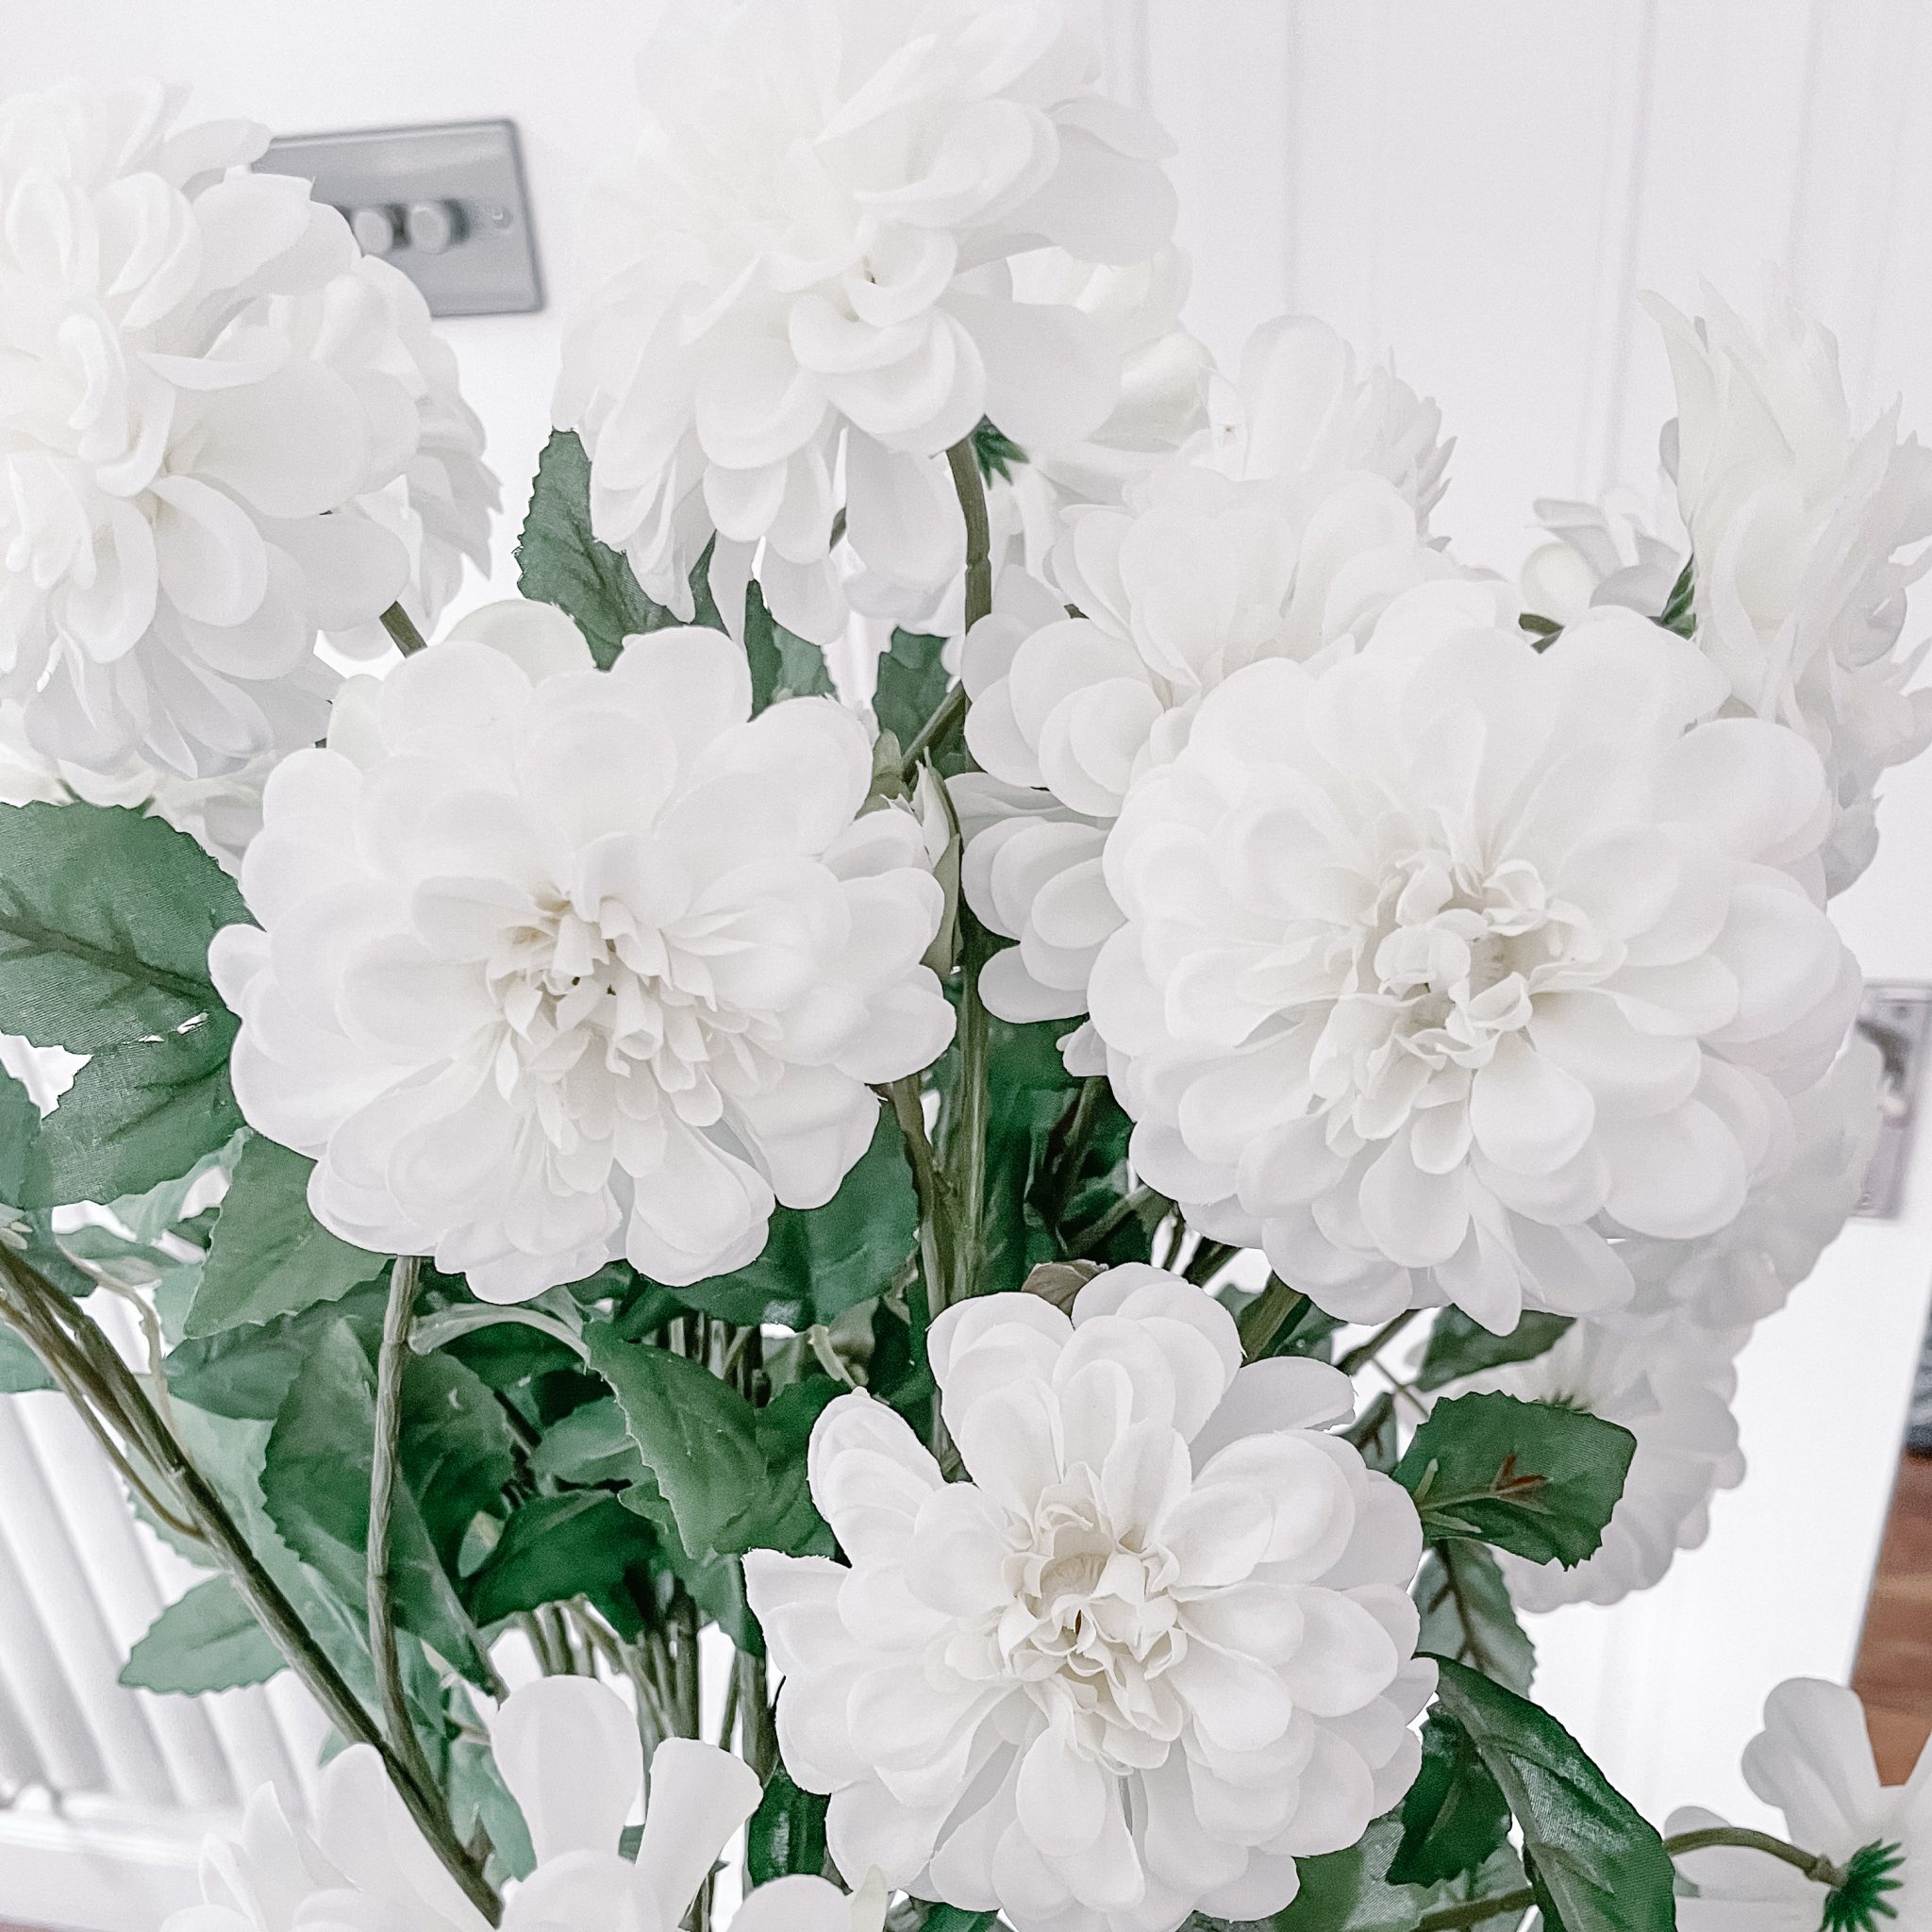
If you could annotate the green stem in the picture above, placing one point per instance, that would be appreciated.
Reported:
(401, 630)
(391, 1359)
(963, 460)
(929, 1188)
(1083, 1244)
(758, 1734)
(1067, 1157)
(1814, 1866)
(1366, 1352)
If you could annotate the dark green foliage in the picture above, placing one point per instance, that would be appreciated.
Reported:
(783, 665)
(787, 1833)
(1453, 1816)
(913, 684)
(1466, 1615)
(1460, 1347)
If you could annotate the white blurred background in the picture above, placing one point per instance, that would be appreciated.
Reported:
(1481, 186)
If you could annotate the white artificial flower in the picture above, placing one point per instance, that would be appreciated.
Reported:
(1813, 1760)
(1194, 578)
(1299, 406)
(1805, 536)
(199, 386)
(1672, 1387)
(1442, 961)
(558, 964)
(805, 283)
(1157, 1647)
(221, 814)
(567, 1748)
(1729, 1280)
(1607, 553)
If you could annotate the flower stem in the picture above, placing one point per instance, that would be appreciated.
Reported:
(963, 460)
(1473, 1911)
(928, 1187)
(401, 630)
(1082, 1244)
(1267, 1315)
(96, 1370)
(1364, 1353)
(391, 1360)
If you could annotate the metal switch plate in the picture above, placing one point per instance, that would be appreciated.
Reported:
(446, 205)
(1897, 1016)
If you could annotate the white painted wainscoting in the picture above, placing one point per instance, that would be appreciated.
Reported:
(1483, 186)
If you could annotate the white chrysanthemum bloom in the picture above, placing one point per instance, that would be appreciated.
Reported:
(1671, 1386)
(1196, 576)
(221, 814)
(1813, 1760)
(805, 283)
(1157, 1647)
(1804, 537)
(558, 964)
(567, 1748)
(1606, 553)
(1440, 955)
(201, 385)
(1300, 406)
(1731, 1279)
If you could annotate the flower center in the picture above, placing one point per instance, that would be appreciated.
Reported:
(1092, 1625)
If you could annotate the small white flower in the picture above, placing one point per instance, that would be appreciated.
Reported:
(1671, 1386)
(201, 389)
(1805, 537)
(1607, 553)
(1813, 1760)
(1731, 1279)
(805, 283)
(558, 964)
(1299, 406)
(1159, 1646)
(1443, 959)
(1194, 578)
(567, 1748)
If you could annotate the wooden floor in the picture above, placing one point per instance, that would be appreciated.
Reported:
(1893, 1672)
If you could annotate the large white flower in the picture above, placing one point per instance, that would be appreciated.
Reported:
(1805, 536)
(1813, 1760)
(201, 389)
(1159, 1646)
(1196, 576)
(1439, 955)
(804, 282)
(1731, 1279)
(567, 1748)
(558, 964)
(1671, 1386)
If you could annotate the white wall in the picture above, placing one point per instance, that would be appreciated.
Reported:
(1482, 184)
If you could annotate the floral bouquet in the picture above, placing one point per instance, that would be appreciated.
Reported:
(1050, 1257)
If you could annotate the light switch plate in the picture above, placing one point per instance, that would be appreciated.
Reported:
(466, 175)
(1896, 1015)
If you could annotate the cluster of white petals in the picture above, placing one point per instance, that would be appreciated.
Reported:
(1671, 1386)
(806, 284)
(1813, 1762)
(1602, 553)
(558, 964)
(567, 1748)
(213, 418)
(1196, 575)
(1805, 536)
(1443, 961)
(1155, 1648)
(1731, 1280)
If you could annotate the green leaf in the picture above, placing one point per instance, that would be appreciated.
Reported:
(789, 1520)
(21, 1373)
(1350, 1891)
(455, 1459)
(106, 917)
(913, 684)
(783, 665)
(787, 1833)
(23, 1163)
(1680, 613)
(560, 563)
(268, 1256)
(698, 1437)
(245, 1374)
(1594, 1864)
(1527, 1476)
(591, 1445)
(210, 1640)
(1466, 1614)
(997, 453)
(554, 1548)
(957, 1918)
(1454, 1817)
(1460, 1347)
(819, 1262)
